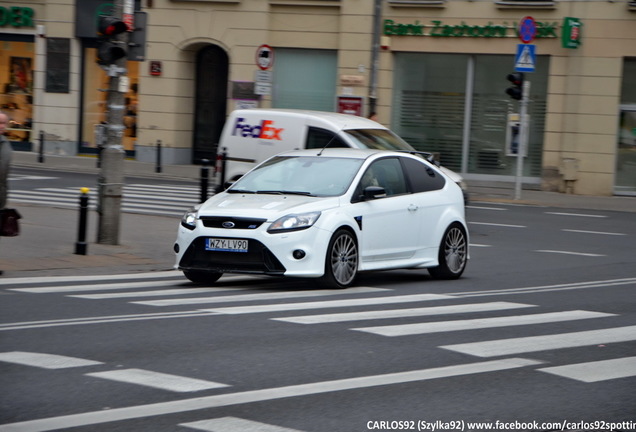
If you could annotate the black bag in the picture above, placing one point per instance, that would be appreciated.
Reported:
(9, 226)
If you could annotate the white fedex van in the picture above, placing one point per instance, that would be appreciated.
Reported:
(252, 135)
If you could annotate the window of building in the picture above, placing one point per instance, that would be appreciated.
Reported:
(95, 103)
(455, 105)
(305, 79)
(625, 181)
(16, 87)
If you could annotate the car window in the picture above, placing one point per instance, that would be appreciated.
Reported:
(377, 139)
(386, 173)
(321, 138)
(305, 175)
(422, 177)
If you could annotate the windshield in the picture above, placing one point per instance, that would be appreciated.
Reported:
(377, 139)
(306, 175)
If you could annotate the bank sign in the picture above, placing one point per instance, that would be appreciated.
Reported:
(16, 16)
(438, 28)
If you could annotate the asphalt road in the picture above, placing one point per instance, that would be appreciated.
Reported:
(541, 328)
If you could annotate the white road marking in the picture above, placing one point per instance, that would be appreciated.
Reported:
(486, 208)
(233, 424)
(498, 224)
(257, 297)
(95, 287)
(157, 380)
(400, 313)
(544, 288)
(215, 401)
(569, 253)
(328, 304)
(88, 278)
(502, 347)
(481, 323)
(45, 361)
(576, 214)
(594, 232)
(101, 320)
(155, 293)
(596, 371)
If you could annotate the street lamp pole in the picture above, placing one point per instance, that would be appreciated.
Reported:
(111, 176)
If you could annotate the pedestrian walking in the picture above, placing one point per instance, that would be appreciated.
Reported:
(5, 160)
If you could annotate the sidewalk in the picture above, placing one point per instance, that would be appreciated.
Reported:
(46, 245)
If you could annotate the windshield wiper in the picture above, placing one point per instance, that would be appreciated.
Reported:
(284, 192)
(240, 191)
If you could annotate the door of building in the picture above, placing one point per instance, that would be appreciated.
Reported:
(210, 101)
(625, 180)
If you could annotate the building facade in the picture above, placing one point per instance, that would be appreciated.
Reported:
(433, 70)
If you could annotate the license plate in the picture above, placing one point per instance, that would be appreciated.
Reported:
(225, 245)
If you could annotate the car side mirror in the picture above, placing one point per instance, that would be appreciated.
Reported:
(373, 192)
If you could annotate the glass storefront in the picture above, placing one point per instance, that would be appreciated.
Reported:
(305, 79)
(625, 180)
(95, 103)
(455, 105)
(16, 87)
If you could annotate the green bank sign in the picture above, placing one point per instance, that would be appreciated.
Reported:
(438, 28)
(16, 16)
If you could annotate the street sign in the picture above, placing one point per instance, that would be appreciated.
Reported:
(264, 57)
(527, 29)
(526, 58)
(263, 88)
(263, 76)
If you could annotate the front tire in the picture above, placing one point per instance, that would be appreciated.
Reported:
(341, 263)
(200, 277)
(453, 253)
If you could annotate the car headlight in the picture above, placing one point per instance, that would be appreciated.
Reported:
(189, 219)
(294, 222)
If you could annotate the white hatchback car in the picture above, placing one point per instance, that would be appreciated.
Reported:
(328, 214)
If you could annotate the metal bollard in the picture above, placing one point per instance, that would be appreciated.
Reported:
(158, 167)
(222, 181)
(80, 245)
(41, 150)
(205, 176)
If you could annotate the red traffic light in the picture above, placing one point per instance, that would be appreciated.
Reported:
(110, 26)
(516, 91)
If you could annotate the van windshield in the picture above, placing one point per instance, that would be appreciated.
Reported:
(377, 139)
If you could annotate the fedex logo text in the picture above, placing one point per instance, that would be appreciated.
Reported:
(264, 130)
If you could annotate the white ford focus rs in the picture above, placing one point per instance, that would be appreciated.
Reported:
(328, 214)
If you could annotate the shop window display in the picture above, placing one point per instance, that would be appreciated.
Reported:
(16, 85)
(95, 103)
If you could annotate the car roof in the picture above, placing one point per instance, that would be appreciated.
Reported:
(336, 120)
(340, 152)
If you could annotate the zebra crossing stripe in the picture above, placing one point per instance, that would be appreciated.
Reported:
(88, 278)
(596, 371)
(328, 304)
(157, 380)
(231, 399)
(257, 297)
(402, 313)
(45, 361)
(481, 323)
(502, 347)
(234, 424)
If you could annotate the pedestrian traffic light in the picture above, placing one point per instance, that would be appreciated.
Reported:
(109, 49)
(516, 91)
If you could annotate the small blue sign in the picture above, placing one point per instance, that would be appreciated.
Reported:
(526, 58)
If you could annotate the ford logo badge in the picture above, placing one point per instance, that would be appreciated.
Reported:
(228, 224)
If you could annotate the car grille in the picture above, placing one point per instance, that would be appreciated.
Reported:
(239, 223)
(258, 259)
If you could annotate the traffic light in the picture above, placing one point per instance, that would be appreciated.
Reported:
(109, 49)
(516, 91)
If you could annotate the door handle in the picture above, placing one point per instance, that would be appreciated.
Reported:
(412, 207)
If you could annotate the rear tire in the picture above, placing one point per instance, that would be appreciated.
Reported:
(341, 262)
(453, 253)
(201, 277)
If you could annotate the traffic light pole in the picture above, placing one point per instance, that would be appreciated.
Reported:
(111, 176)
(523, 137)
